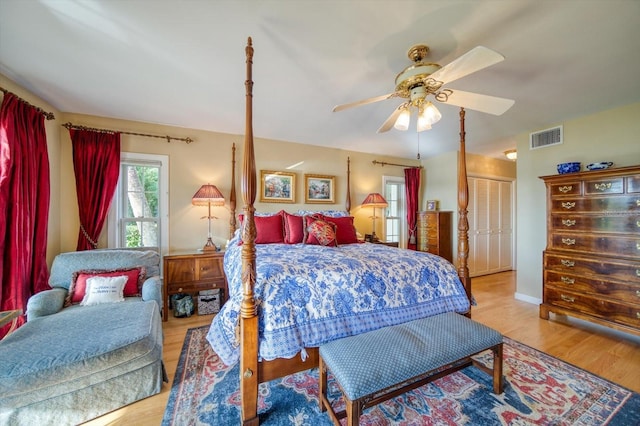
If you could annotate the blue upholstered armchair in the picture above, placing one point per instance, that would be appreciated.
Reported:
(69, 365)
(65, 264)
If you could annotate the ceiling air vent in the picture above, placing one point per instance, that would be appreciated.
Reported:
(545, 137)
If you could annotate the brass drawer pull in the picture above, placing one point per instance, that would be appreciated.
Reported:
(638, 293)
(638, 315)
(637, 272)
(567, 298)
(567, 280)
(602, 186)
(638, 245)
(571, 264)
(638, 203)
(638, 223)
(572, 241)
(568, 205)
(565, 189)
(568, 222)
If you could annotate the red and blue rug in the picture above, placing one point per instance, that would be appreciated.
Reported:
(539, 390)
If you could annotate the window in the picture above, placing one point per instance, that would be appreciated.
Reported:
(395, 224)
(139, 214)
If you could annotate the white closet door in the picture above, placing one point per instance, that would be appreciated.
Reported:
(490, 226)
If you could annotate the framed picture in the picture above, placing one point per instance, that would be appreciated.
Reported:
(432, 204)
(319, 189)
(277, 187)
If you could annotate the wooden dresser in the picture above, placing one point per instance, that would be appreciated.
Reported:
(192, 272)
(434, 233)
(592, 259)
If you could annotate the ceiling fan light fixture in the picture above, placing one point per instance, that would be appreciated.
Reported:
(431, 113)
(402, 122)
(423, 123)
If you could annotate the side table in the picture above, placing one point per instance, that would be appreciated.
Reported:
(192, 272)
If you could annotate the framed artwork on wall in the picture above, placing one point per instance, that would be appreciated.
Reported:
(319, 189)
(277, 187)
(432, 204)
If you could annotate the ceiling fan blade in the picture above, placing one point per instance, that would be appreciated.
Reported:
(388, 124)
(477, 102)
(474, 60)
(364, 102)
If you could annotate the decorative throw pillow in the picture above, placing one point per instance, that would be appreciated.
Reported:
(269, 229)
(293, 228)
(133, 287)
(104, 290)
(319, 232)
(345, 231)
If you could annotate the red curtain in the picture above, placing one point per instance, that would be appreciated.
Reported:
(96, 163)
(24, 205)
(412, 187)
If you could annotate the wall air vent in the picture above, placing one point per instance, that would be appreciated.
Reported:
(545, 138)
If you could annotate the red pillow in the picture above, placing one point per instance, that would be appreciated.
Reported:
(293, 228)
(319, 232)
(269, 229)
(133, 287)
(345, 231)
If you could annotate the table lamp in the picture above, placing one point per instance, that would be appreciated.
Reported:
(374, 200)
(208, 195)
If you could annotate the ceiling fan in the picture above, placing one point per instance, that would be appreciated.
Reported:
(422, 79)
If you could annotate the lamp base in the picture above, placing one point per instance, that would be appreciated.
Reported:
(374, 237)
(209, 246)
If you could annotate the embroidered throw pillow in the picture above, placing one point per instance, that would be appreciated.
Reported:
(133, 287)
(319, 232)
(104, 290)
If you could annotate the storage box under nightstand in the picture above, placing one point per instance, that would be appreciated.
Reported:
(209, 302)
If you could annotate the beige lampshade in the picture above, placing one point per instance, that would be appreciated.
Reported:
(208, 195)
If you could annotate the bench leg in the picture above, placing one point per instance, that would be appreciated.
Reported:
(497, 369)
(322, 385)
(353, 409)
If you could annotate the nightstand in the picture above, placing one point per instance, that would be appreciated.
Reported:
(390, 244)
(192, 272)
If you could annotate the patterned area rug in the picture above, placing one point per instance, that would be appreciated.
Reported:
(539, 390)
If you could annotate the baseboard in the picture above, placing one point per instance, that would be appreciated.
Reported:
(526, 298)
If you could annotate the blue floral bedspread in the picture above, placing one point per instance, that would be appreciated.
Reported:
(308, 295)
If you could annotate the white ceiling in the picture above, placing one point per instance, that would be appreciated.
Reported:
(182, 63)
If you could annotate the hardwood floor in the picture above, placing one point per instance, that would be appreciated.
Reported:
(602, 351)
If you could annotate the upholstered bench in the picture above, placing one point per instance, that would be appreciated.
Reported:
(373, 367)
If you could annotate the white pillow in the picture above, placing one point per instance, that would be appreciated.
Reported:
(104, 290)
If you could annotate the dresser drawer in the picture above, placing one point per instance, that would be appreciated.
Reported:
(628, 247)
(604, 186)
(611, 268)
(627, 224)
(623, 292)
(565, 188)
(633, 184)
(618, 204)
(619, 312)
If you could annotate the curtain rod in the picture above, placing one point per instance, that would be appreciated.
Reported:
(382, 163)
(47, 115)
(168, 138)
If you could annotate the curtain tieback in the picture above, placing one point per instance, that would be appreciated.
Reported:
(94, 244)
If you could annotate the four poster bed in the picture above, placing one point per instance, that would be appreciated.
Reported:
(287, 299)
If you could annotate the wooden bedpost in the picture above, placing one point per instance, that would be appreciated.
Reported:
(232, 195)
(463, 221)
(347, 203)
(248, 316)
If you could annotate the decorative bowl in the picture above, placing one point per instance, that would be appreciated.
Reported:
(568, 168)
(599, 166)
